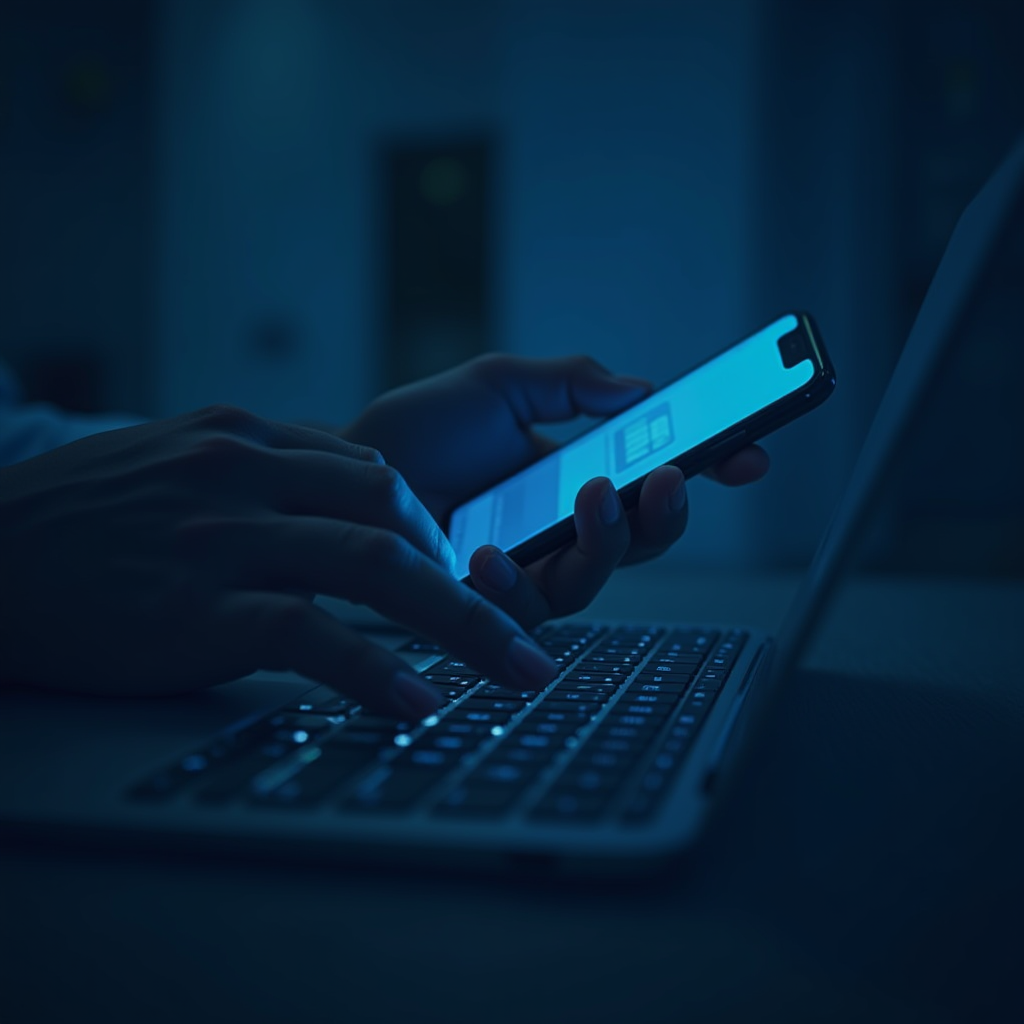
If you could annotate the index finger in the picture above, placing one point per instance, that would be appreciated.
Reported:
(378, 568)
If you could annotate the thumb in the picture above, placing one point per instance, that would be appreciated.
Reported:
(549, 390)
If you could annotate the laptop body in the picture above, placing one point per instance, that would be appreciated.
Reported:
(610, 770)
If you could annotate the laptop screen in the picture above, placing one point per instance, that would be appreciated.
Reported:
(954, 286)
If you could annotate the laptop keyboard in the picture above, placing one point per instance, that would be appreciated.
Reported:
(604, 741)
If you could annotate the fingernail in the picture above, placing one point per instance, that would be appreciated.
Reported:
(530, 663)
(611, 508)
(412, 697)
(498, 572)
(677, 499)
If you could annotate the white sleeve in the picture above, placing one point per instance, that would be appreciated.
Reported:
(33, 428)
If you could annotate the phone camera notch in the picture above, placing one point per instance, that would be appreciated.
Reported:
(792, 348)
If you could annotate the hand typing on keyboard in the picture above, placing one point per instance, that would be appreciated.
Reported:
(182, 553)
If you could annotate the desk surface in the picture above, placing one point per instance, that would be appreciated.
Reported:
(866, 867)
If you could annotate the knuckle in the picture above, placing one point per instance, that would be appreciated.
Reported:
(216, 453)
(368, 454)
(382, 550)
(226, 417)
(386, 485)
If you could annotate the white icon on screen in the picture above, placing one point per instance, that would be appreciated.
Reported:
(643, 436)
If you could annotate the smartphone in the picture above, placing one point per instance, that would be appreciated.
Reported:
(693, 422)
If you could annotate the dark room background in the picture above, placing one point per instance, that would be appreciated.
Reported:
(292, 204)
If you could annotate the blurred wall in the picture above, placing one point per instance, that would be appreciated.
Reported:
(665, 177)
(669, 176)
(77, 200)
(624, 188)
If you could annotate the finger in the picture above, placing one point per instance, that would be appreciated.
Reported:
(374, 494)
(573, 577)
(380, 569)
(660, 516)
(550, 390)
(294, 435)
(745, 467)
(289, 634)
(508, 586)
(273, 434)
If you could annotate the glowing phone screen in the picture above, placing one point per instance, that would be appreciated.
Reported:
(709, 400)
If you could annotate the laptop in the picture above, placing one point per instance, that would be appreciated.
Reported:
(612, 769)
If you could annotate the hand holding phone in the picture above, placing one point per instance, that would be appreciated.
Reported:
(695, 421)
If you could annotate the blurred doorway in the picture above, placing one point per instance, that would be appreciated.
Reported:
(437, 225)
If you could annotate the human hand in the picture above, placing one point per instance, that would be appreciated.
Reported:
(172, 556)
(453, 435)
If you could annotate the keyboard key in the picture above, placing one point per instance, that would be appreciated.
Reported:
(453, 728)
(462, 714)
(314, 783)
(643, 685)
(379, 723)
(537, 741)
(691, 638)
(604, 678)
(588, 780)
(606, 760)
(551, 728)
(538, 758)
(627, 731)
(420, 646)
(664, 677)
(505, 773)
(455, 743)
(322, 701)
(626, 713)
(234, 777)
(374, 739)
(570, 807)
(478, 801)
(615, 744)
(708, 685)
(448, 680)
(503, 693)
(565, 710)
(429, 759)
(391, 789)
(453, 666)
(609, 662)
(487, 704)
(292, 727)
(591, 692)
(674, 661)
(646, 697)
